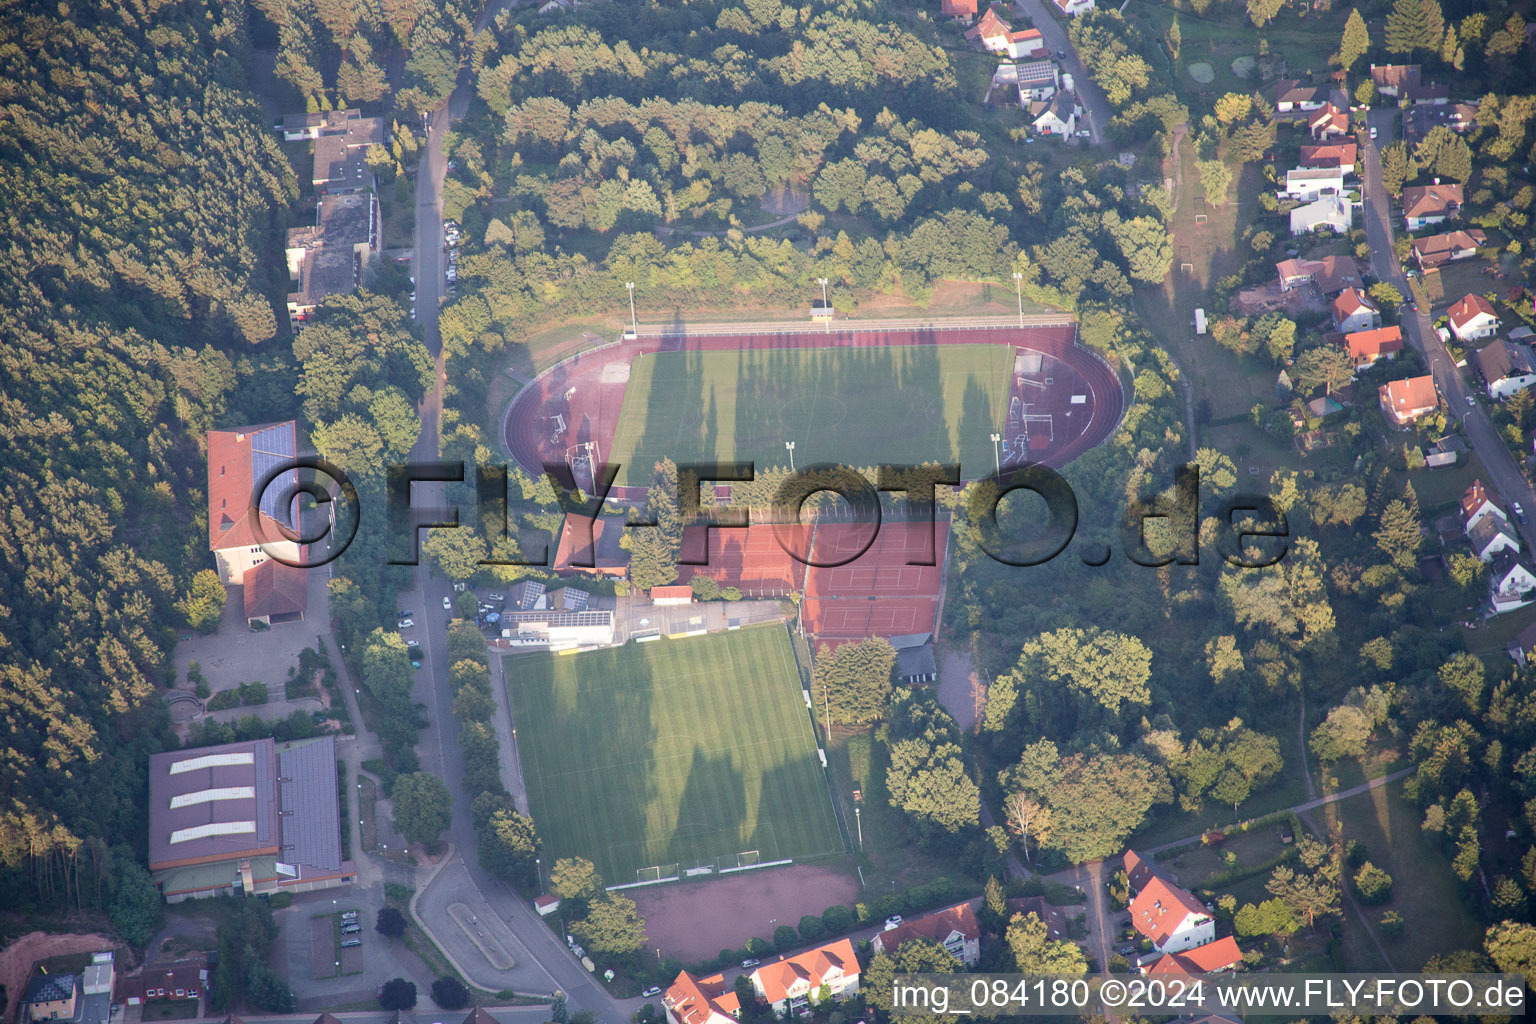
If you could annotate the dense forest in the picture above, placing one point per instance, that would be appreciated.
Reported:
(144, 192)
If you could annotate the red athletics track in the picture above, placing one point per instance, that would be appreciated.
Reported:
(576, 394)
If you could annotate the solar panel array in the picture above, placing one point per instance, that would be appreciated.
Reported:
(270, 448)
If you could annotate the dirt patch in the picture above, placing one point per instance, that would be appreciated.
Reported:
(694, 921)
(16, 960)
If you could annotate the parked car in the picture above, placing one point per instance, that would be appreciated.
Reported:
(351, 929)
(652, 991)
(1471, 402)
(1519, 513)
(1126, 950)
(351, 943)
(495, 597)
(1373, 131)
(1084, 133)
(447, 604)
(750, 961)
(348, 916)
(406, 623)
(894, 921)
(404, 614)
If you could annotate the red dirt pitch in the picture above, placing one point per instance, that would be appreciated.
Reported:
(696, 920)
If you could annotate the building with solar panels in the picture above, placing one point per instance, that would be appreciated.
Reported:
(243, 818)
(244, 536)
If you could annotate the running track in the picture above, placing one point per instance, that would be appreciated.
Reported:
(593, 409)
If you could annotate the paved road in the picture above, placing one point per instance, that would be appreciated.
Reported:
(1095, 107)
(1504, 475)
(543, 964)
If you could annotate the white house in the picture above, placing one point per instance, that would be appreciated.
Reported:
(1471, 318)
(1292, 94)
(690, 1000)
(1477, 505)
(1492, 535)
(1424, 205)
(1308, 183)
(1056, 116)
(1036, 80)
(955, 928)
(1335, 213)
(794, 984)
(1352, 312)
(1072, 8)
(1511, 584)
(1026, 44)
(1505, 368)
(1164, 913)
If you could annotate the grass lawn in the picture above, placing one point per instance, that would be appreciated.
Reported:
(1169, 824)
(170, 1009)
(1423, 890)
(676, 752)
(1257, 846)
(861, 407)
(1454, 280)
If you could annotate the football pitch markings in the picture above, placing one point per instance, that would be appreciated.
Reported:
(671, 752)
(856, 406)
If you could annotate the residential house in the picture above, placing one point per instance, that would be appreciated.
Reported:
(1505, 368)
(1293, 94)
(1331, 274)
(1212, 958)
(1036, 81)
(180, 979)
(1308, 183)
(1072, 8)
(1511, 583)
(51, 997)
(1365, 347)
(1353, 311)
(794, 984)
(1491, 535)
(964, 10)
(1340, 155)
(1437, 250)
(1025, 44)
(1523, 648)
(1472, 317)
(992, 31)
(1419, 121)
(690, 1000)
(1328, 122)
(1424, 205)
(1051, 916)
(1331, 213)
(955, 928)
(1056, 116)
(547, 904)
(1477, 505)
(1392, 79)
(1171, 918)
(1404, 401)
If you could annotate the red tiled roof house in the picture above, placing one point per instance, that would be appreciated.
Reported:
(955, 928)
(1471, 318)
(795, 984)
(1403, 401)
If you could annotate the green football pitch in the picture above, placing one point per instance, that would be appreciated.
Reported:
(673, 752)
(855, 406)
